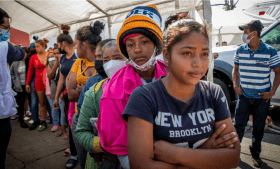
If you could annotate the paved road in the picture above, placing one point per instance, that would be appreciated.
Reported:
(42, 150)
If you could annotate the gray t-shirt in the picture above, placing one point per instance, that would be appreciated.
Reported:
(175, 121)
(54, 80)
(22, 73)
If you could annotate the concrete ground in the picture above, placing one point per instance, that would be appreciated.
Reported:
(42, 150)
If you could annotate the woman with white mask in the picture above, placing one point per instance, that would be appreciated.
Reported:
(86, 133)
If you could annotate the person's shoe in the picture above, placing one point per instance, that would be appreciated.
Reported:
(23, 125)
(43, 126)
(54, 128)
(257, 161)
(33, 126)
(13, 117)
(71, 163)
(28, 113)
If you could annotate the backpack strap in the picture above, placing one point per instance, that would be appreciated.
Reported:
(98, 85)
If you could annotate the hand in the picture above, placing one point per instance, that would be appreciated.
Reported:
(164, 151)
(99, 158)
(268, 120)
(215, 142)
(27, 89)
(55, 104)
(80, 87)
(238, 90)
(12, 43)
(267, 95)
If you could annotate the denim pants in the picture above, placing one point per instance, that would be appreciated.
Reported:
(5, 135)
(34, 101)
(259, 108)
(54, 112)
(62, 113)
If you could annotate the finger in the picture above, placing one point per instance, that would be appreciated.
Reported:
(218, 131)
(261, 94)
(226, 138)
(228, 143)
(267, 100)
(231, 146)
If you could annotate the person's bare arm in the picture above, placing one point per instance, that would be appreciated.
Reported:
(276, 82)
(201, 158)
(51, 71)
(73, 93)
(235, 77)
(59, 85)
(141, 146)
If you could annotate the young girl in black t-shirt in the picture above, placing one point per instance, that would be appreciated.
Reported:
(174, 121)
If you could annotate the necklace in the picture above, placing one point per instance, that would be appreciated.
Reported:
(43, 58)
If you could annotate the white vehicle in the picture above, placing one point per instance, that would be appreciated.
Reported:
(223, 65)
(261, 8)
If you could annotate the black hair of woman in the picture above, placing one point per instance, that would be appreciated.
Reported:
(65, 37)
(91, 33)
(3, 14)
(173, 18)
(180, 29)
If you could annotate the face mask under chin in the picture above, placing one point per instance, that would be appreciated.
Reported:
(146, 66)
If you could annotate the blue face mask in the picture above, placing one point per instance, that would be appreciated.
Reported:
(5, 35)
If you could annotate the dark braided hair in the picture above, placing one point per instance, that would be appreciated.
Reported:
(91, 34)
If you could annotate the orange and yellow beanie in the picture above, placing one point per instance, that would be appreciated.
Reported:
(145, 20)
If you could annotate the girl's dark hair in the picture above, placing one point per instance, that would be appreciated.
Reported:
(26, 50)
(91, 34)
(3, 14)
(65, 37)
(43, 42)
(173, 18)
(180, 29)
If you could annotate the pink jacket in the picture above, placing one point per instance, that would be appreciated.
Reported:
(112, 128)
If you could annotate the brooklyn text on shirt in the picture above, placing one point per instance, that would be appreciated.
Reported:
(197, 118)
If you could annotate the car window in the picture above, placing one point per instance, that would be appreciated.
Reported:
(273, 37)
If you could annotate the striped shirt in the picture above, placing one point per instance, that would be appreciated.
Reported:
(255, 68)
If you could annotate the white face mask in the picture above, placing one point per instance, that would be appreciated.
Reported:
(113, 66)
(146, 66)
(51, 59)
(244, 38)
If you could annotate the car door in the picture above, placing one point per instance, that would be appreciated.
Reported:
(271, 36)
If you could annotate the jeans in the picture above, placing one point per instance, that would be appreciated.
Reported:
(34, 101)
(62, 113)
(259, 108)
(124, 161)
(5, 135)
(54, 112)
(49, 108)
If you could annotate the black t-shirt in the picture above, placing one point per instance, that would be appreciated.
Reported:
(66, 65)
(176, 121)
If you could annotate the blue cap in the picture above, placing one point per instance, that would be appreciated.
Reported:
(32, 44)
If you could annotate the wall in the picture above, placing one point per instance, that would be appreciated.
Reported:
(19, 37)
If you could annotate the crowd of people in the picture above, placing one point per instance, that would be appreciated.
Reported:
(118, 105)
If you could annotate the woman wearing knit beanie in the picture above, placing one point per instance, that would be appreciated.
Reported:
(139, 39)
